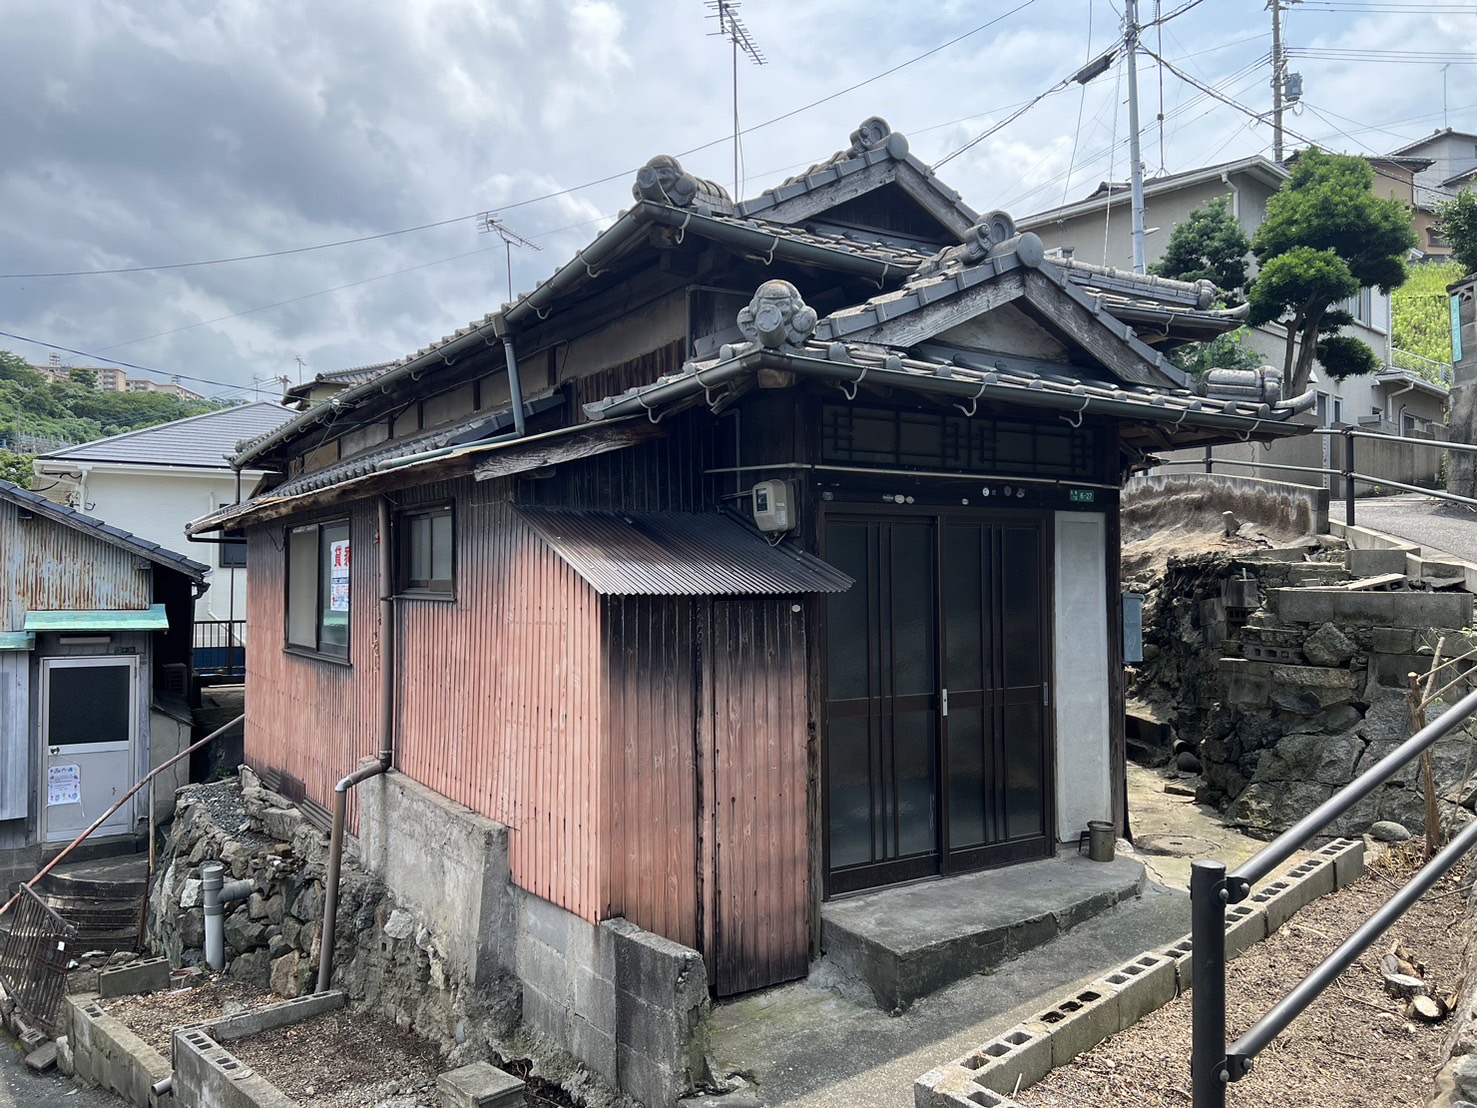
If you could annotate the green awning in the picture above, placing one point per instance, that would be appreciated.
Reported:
(17, 640)
(150, 619)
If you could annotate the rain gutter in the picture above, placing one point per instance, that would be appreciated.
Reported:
(645, 401)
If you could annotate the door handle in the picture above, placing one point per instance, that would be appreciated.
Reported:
(944, 703)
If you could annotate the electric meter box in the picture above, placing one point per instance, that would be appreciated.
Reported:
(772, 508)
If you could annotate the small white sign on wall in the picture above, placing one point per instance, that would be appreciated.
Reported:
(338, 578)
(64, 784)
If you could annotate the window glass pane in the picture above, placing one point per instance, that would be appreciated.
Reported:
(334, 598)
(302, 587)
(417, 551)
(88, 704)
(233, 554)
(441, 547)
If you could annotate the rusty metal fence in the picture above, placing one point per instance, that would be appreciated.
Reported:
(33, 965)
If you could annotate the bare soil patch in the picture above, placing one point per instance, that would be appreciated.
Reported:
(343, 1059)
(1352, 1048)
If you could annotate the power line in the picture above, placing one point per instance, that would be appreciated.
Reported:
(125, 365)
(530, 200)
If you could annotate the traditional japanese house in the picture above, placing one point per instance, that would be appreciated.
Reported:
(764, 553)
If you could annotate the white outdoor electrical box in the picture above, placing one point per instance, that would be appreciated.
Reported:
(772, 511)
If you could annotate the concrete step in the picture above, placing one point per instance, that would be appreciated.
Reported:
(908, 942)
(118, 877)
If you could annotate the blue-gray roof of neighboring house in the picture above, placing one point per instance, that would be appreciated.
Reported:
(116, 536)
(199, 442)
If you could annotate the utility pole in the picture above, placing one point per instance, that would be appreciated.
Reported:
(1279, 76)
(1136, 169)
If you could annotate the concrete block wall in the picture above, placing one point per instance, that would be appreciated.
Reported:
(108, 1054)
(630, 1005)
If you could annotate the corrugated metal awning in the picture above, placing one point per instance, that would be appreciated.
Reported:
(678, 554)
(147, 619)
(17, 640)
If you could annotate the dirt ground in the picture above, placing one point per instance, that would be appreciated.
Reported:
(341, 1060)
(1352, 1048)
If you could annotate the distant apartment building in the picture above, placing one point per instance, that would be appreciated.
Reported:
(112, 379)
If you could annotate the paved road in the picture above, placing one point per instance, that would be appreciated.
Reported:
(20, 1088)
(1434, 525)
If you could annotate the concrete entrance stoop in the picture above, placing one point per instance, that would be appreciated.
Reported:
(908, 942)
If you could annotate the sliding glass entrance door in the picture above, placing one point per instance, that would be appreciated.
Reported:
(935, 755)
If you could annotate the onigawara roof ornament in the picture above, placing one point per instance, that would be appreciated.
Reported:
(664, 181)
(994, 234)
(1262, 385)
(776, 319)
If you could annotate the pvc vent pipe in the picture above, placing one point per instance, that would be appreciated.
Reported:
(215, 894)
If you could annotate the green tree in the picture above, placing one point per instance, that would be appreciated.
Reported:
(84, 377)
(15, 368)
(1459, 224)
(1209, 246)
(1326, 236)
(16, 468)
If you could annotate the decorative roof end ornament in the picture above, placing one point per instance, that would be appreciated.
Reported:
(873, 133)
(776, 319)
(1254, 386)
(663, 181)
(993, 236)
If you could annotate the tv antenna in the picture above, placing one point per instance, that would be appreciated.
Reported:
(731, 27)
(489, 222)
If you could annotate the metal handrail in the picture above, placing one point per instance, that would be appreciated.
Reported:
(1212, 1065)
(146, 779)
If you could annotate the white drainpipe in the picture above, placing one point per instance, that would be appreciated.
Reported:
(216, 893)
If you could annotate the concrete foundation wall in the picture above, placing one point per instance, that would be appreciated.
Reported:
(447, 862)
(628, 1004)
(1083, 777)
(1164, 497)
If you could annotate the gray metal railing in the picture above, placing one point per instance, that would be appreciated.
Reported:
(1350, 473)
(1214, 1065)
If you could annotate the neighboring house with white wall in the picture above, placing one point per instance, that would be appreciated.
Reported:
(1098, 229)
(152, 482)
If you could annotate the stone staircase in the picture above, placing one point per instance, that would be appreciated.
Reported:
(102, 897)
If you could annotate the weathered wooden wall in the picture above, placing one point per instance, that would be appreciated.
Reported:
(756, 759)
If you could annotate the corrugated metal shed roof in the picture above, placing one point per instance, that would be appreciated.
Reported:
(678, 554)
(202, 441)
(70, 517)
(152, 618)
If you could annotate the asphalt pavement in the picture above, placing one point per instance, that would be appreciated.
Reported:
(1436, 526)
(21, 1088)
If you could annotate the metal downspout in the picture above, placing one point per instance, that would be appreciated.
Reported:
(515, 386)
(386, 756)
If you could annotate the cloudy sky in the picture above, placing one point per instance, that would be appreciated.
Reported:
(356, 143)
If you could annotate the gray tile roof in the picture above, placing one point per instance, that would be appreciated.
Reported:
(678, 554)
(116, 536)
(202, 441)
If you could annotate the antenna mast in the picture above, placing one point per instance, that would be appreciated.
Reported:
(731, 27)
(488, 221)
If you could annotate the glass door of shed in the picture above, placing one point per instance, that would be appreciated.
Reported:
(937, 753)
(89, 729)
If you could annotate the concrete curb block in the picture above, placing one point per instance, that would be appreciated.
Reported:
(207, 1073)
(990, 1075)
(108, 1054)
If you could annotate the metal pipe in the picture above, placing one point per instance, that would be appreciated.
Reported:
(1439, 494)
(1349, 480)
(1290, 841)
(215, 894)
(515, 385)
(1434, 444)
(1245, 465)
(1208, 1074)
(387, 749)
(162, 1087)
(1209, 460)
(124, 799)
(1292, 1005)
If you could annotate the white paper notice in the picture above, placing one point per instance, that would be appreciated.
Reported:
(338, 576)
(64, 784)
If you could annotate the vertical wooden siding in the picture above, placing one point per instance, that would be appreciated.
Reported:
(310, 718)
(756, 909)
(653, 765)
(501, 698)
